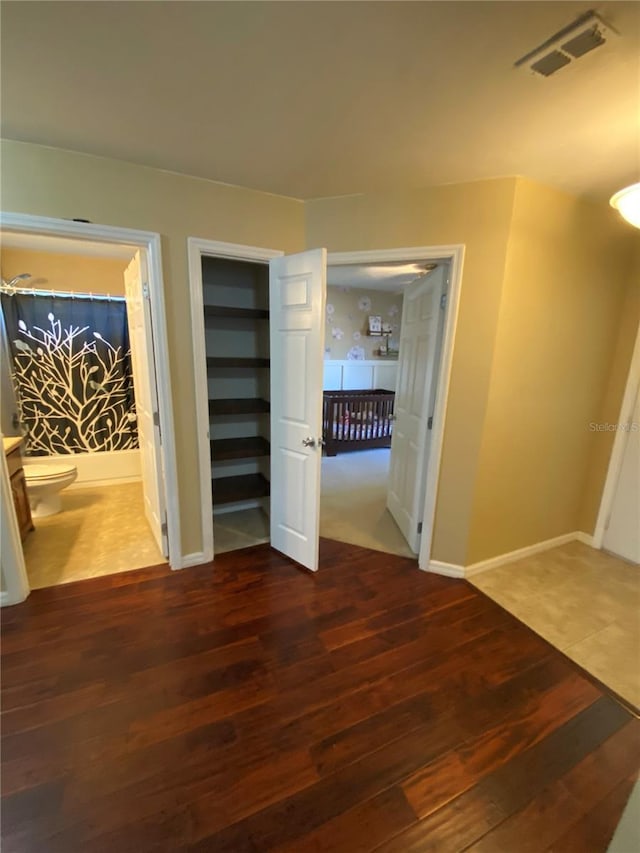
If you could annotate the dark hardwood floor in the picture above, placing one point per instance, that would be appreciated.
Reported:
(258, 708)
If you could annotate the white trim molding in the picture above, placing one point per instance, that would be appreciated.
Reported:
(448, 570)
(368, 372)
(452, 570)
(148, 242)
(197, 248)
(519, 554)
(408, 253)
(454, 254)
(197, 558)
(619, 444)
(14, 573)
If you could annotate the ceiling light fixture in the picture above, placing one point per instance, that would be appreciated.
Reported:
(627, 203)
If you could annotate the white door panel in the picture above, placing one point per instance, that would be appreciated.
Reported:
(144, 379)
(297, 288)
(622, 534)
(415, 393)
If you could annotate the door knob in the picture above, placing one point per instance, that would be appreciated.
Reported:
(309, 442)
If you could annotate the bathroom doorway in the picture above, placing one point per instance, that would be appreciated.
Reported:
(87, 414)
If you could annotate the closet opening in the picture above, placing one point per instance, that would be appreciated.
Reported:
(236, 322)
(229, 289)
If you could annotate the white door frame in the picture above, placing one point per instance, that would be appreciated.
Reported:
(197, 248)
(149, 243)
(619, 444)
(455, 255)
(12, 567)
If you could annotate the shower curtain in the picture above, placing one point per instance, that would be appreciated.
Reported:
(71, 367)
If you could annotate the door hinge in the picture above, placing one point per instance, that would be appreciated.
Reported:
(419, 527)
(164, 529)
(145, 289)
(430, 423)
(443, 301)
(156, 419)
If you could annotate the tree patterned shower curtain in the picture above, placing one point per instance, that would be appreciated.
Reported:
(72, 372)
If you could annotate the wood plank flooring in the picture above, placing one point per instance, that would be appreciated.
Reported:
(255, 707)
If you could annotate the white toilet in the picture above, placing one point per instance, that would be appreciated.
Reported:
(45, 481)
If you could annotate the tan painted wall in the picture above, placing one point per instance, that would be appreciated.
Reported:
(479, 216)
(57, 271)
(50, 182)
(353, 322)
(557, 251)
(566, 281)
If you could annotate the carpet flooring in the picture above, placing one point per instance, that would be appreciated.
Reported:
(354, 499)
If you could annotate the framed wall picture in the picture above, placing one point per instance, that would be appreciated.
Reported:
(375, 325)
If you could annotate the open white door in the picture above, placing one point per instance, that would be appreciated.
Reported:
(415, 395)
(144, 378)
(297, 288)
(622, 531)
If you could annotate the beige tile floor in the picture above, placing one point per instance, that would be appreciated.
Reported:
(100, 531)
(241, 529)
(585, 602)
(353, 502)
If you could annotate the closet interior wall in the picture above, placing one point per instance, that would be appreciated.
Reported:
(236, 315)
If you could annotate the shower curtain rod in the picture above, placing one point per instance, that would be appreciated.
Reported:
(67, 294)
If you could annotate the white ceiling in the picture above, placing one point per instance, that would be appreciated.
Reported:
(311, 99)
(65, 245)
(393, 276)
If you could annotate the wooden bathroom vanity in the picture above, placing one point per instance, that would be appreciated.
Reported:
(18, 484)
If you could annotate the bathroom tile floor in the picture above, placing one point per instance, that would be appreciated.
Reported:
(583, 601)
(100, 531)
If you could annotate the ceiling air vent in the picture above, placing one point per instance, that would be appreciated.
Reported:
(585, 34)
(584, 42)
(549, 64)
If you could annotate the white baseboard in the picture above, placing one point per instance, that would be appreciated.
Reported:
(94, 484)
(449, 570)
(197, 558)
(8, 599)
(452, 570)
(521, 553)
